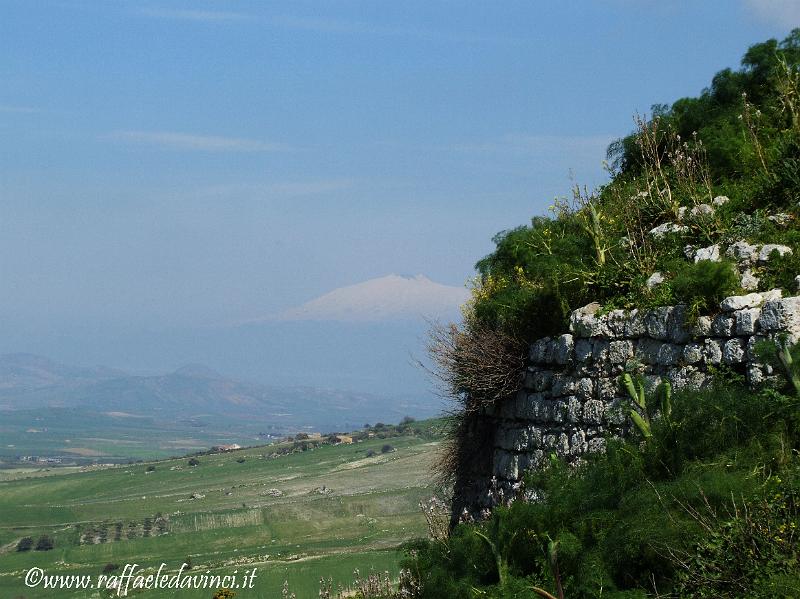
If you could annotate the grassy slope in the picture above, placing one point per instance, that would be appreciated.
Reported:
(300, 536)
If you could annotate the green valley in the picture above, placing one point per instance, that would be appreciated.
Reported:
(295, 516)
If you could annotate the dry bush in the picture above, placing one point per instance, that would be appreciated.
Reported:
(473, 365)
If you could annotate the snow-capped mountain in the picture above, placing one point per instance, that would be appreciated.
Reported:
(392, 297)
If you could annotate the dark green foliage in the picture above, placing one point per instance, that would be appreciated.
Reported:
(703, 285)
(780, 271)
(716, 488)
(194, 462)
(715, 114)
(25, 544)
(750, 550)
(44, 543)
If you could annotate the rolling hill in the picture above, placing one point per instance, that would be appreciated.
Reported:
(48, 406)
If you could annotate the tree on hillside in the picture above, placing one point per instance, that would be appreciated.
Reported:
(44, 543)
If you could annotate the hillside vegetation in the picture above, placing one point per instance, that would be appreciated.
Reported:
(704, 501)
(739, 140)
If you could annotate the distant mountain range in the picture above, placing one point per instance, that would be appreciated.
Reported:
(192, 392)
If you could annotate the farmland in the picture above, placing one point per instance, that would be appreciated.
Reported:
(296, 517)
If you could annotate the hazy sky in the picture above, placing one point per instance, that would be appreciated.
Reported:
(187, 164)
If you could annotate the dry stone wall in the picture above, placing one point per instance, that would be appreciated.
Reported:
(571, 400)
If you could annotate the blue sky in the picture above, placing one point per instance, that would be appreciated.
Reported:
(179, 165)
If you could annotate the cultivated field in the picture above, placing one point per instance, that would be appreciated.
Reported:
(297, 517)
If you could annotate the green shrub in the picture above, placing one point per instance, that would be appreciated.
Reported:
(25, 544)
(44, 543)
(752, 549)
(703, 285)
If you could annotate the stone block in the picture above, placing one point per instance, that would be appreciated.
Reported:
(511, 438)
(534, 437)
(654, 280)
(600, 350)
(657, 322)
(747, 321)
(733, 351)
(577, 443)
(749, 280)
(583, 350)
(620, 352)
(556, 411)
(585, 322)
(584, 388)
(723, 325)
(714, 351)
(538, 351)
(739, 302)
(506, 465)
(702, 326)
(755, 374)
(708, 253)
(562, 445)
(538, 380)
(531, 406)
(781, 314)
(616, 320)
(593, 411)
(607, 388)
(669, 354)
(647, 350)
(616, 412)
(741, 251)
(693, 353)
(596, 445)
(563, 384)
(634, 325)
(564, 345)
(687, 377)
(574, 409)
(679, 326)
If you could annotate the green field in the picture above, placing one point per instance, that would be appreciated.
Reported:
(336, 510)
(83, 437)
